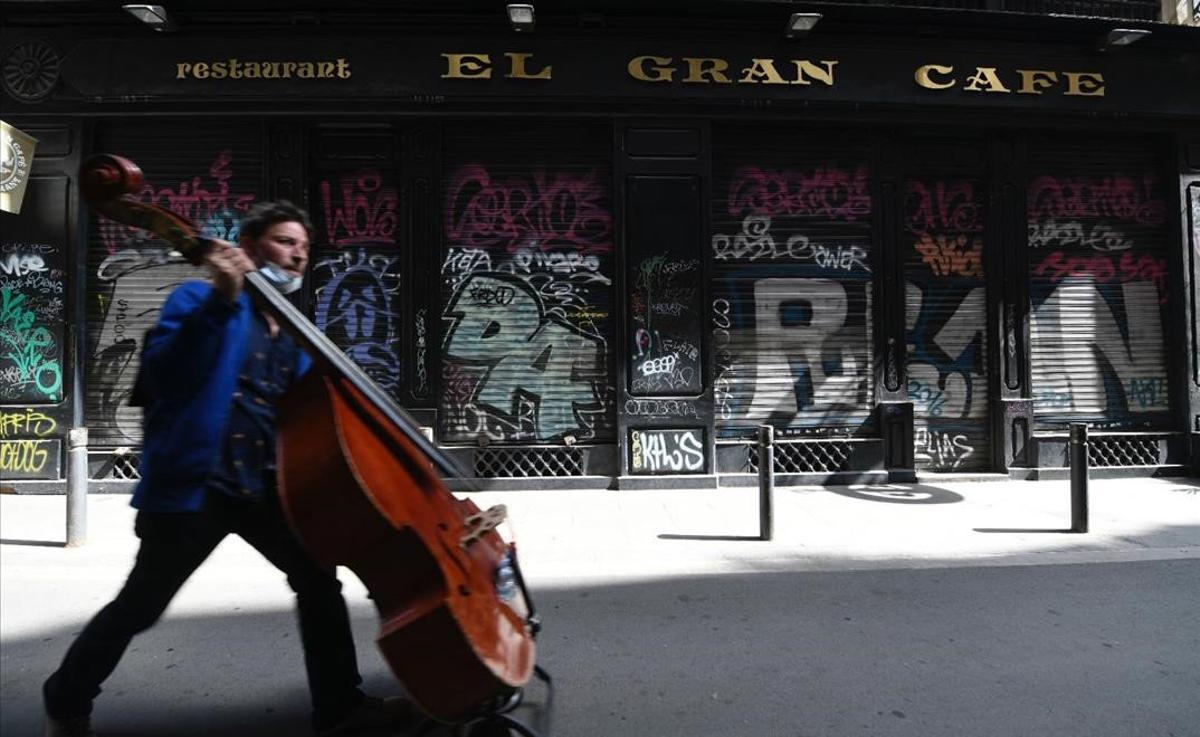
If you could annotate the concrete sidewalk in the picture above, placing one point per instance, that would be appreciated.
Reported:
(955, 609)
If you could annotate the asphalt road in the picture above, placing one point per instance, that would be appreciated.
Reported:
(655, 634)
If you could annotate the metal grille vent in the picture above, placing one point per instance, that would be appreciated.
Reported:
(809, 456)
(117, 465)
(1122, 451)
(524, 462)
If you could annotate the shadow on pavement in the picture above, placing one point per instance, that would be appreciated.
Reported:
(908, 494)
(1059, 530)
(34, 543)
(726, 538)
(1047, 649)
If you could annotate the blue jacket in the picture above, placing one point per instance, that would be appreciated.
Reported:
(189, 371)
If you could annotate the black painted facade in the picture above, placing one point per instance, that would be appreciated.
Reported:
(913, 242)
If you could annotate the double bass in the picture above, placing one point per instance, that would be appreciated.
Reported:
(361, 486)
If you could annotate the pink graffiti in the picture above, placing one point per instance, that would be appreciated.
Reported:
(1115, 197)
(458, 385)
(1103, 268)
(195, 201)
(541, 211)
(942, 206)
(366, 213)
(824, 192)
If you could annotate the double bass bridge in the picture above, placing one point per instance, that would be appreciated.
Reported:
(480, 523)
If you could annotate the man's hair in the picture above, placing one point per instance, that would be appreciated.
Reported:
(265, 214)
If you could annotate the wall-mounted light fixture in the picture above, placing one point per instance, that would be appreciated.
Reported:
(154, 16)
(520, 16)
(800, 24)
(1118, 37)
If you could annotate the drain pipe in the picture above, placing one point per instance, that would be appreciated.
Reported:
(77, 436)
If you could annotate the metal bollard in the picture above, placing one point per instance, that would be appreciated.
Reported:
(77, 486)
(1079, 477)
(766, 482)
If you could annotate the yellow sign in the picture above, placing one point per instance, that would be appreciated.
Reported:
(16, 158)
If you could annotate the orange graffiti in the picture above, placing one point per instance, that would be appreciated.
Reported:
(952, 255)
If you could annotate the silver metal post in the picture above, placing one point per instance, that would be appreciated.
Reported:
(1079, 477)
(77, 486)
(766, 482)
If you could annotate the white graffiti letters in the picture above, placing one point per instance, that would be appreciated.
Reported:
(1077, 317)
(945, 450)
(528, 356)
(1059, 233)
(673, 451)
(797, 320)
(16, 264)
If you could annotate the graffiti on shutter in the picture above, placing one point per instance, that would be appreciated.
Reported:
(946, 311)
(133, 272)
(32, 314)
(1099, 291)
(792, 293)
(356, 272)
(663, 283)
(526, 278)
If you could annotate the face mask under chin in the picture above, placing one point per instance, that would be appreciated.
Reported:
(280, 279)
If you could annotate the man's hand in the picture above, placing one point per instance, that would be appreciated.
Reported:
(228, 265)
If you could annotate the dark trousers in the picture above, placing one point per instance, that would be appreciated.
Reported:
(173, 545)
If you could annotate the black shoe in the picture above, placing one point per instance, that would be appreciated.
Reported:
(73, 727)
(374, 712)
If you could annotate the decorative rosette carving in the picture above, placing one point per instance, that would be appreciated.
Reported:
(29, 71)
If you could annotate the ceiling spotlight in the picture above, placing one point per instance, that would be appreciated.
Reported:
(1125, 36)
(154, 16)
(801, 23)
(520, 16)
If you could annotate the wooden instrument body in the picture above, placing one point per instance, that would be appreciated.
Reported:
(446, 635)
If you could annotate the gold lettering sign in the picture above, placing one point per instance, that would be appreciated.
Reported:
(479, 66)
(467, 66)
(239, 69)
(925, 78)
(711, 70)
(651, 68)
(985, 80)
(517, 68)
(762, 70)
(1084, 84)
(707, 70)
(1026, 81)
(1033, 81)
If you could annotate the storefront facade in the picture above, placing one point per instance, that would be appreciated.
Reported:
(592, 257)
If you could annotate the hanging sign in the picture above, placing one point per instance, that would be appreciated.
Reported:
(16, 156)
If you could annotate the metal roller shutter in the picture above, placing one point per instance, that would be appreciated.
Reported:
(356, 256)
(527, 285)
(1099, 287)
(791, 286)
(211, 173)
(946, 317)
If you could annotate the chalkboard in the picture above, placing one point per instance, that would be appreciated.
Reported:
(664, 286)
(655, 451)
